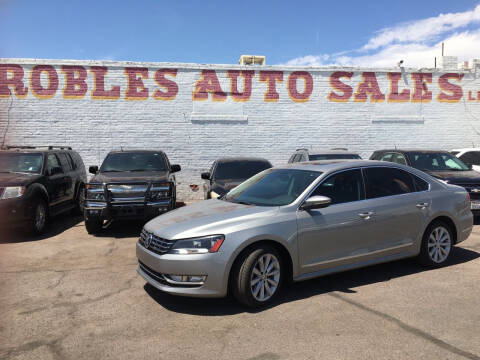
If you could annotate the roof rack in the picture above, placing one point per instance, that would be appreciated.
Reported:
(17, 147)
(302, 149)
(340, 148)
(49, 147)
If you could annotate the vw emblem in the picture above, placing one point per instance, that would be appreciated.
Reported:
(148, 240)
(475, 190)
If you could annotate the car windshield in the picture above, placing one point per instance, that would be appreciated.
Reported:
(272, 187)
(239, 169)
(314, 157)
(436, 162)
(137, 161)
(21, 163)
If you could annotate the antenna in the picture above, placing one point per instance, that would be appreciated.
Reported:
(443, 48)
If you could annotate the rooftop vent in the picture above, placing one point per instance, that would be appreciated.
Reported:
(252, 60)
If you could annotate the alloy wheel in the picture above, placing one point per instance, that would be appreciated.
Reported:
(265, 277)
(439, 244)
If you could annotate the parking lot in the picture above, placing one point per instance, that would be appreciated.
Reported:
(70, 295)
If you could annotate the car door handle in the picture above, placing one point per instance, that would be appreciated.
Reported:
(422, 205)
(366, 215)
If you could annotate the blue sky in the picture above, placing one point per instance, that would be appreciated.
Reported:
(286, 32)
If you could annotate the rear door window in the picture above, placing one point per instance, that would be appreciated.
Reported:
(386, 157)
(66, 163)
(384, 181)
(343, 187)
(52, 162)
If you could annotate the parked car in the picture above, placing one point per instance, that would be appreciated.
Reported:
(439, 164)
(301, 221)
(137, 184)
(226, 173)
(37, 183)
(303, 154)
(469, 156)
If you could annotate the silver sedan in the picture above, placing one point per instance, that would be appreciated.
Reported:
(302, 221)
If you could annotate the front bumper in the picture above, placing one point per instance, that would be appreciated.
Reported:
(142, 210)
(152, 266)
(14, 212)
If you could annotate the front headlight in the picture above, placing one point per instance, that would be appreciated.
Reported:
(160, 190)
(95, 192)
(200, 245)
(11, 192)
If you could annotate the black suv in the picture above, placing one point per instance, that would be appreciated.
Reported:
(37, 183)
(134, 184)
(226, 173)
(303, 154)
(440, 164)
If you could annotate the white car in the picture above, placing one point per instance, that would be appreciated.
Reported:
(470, 156)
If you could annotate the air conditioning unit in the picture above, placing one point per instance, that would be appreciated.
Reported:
(252, 60)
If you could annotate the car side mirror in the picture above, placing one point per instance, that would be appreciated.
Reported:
(55, 170)
(175, 168)
(206, 176)
(316, 202)
(93, 169)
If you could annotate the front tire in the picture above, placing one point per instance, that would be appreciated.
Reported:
(258, 276)
(93, 226)
(437, 245)
(40, 217)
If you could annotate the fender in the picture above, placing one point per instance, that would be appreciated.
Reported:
(37, 189)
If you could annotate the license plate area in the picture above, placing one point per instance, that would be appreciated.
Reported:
(475, 205)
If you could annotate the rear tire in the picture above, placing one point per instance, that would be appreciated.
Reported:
(40, 216)
(258, 276)
(437, 245)
(93, 226)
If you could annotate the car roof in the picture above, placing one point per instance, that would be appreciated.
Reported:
(327, 151)
(332, 165)
(135, 151)
(240, 158)
(466, 149)
(425, 151)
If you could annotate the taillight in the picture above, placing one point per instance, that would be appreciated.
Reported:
(468, 196)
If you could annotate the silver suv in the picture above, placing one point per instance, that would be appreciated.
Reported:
(301, 221)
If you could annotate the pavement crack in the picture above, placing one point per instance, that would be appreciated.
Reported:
(409, 328)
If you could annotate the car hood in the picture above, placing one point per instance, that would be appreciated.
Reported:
(206, 217)
(17, 179)
(106, 177)
(457, 177)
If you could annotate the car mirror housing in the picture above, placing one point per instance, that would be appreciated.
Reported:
(93, 169)
(316, 202)
(206, 176)
(175, 168)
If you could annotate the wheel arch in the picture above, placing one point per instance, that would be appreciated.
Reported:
(282, 249)
(447, 220)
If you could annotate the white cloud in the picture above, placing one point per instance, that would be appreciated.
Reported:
(417, 43)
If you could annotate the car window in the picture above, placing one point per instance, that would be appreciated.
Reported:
(471, 158)
(399, 159)
(72, 162)
(134, 161)
(66, 164)
(303, 157)
(346, 186)
(430, 161)
(384, 181)
(297, 158)
(386, 157)
(272, 187)
(291, 158)
(52, 162)
(420, 184)
(333, 156)
(239, 169)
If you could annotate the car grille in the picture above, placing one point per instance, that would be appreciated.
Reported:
(158, 277)
(127, 192)
(473, 189)
(155, 244)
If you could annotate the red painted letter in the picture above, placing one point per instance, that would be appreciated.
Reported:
(420, 90)
(75, 85)
(394, 96)
(208, 83)
(307, 86)
(455, 91)
(369, 86)
(170, 86)
(247, 84)
(99, 91)
(271, 77)
(36, 84)
(15, 81)
(336, 84)
(136, 90)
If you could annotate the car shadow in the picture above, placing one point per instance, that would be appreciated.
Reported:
(120, 229)
(342, 282)
(56, 226)
(476, 220)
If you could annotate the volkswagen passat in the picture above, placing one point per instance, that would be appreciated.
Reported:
(301, 221)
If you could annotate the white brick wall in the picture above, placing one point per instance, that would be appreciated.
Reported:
(194, 133)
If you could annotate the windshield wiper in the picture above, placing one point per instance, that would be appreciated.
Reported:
(111, 171)
(242, 202)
